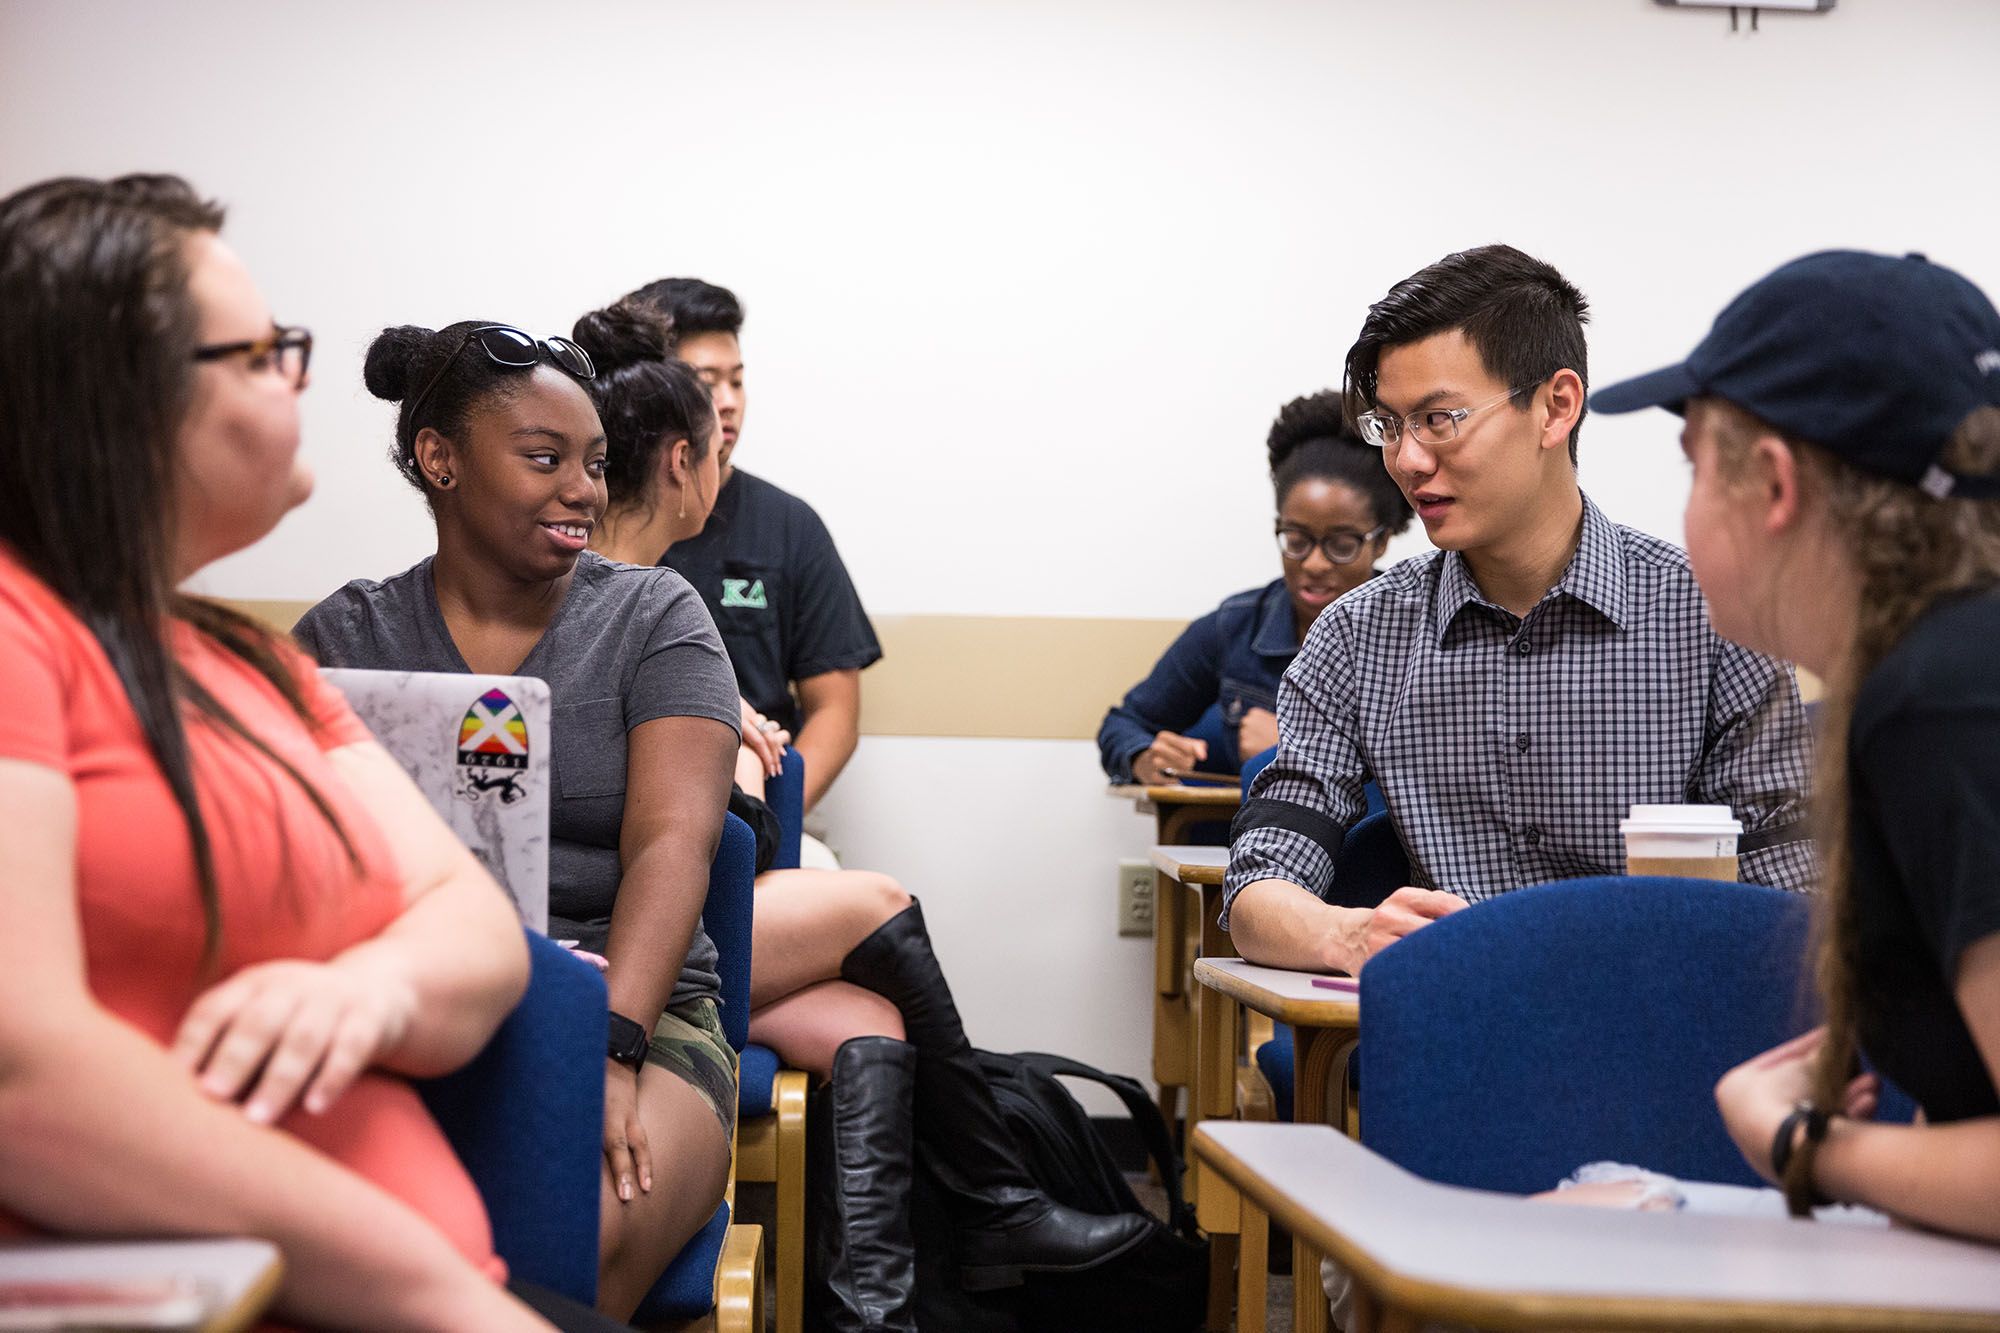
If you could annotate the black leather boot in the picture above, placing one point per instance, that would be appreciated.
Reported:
(1006, 1224)
(860, 1177)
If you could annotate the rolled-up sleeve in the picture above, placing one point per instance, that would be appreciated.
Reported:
(1758, 761)
(1301, 806)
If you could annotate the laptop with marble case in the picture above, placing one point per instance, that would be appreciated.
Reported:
(478, 747)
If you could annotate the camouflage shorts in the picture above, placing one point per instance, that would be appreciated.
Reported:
(688, 1043)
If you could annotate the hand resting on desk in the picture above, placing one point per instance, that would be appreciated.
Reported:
(1279, 924)
(1402, 912)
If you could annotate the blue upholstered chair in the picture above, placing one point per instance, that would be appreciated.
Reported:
(722, 1268)
(786, 795)
(1256, 764)
(1577, 1021)
(1211, 727)
(527, 1118)
(771, 1102)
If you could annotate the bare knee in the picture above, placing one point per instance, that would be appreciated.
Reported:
(806, 1028)
(866, 1014)
(884, 897)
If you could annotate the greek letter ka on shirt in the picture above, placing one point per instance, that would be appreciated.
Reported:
(744, 592)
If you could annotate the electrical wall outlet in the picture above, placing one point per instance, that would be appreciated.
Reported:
(1136, 880)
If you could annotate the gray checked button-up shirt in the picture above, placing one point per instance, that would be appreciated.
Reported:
(1508, 748)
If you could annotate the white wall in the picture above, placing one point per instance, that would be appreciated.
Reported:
(1027, 279)
(1011, 846)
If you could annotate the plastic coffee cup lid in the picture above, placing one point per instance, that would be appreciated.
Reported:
(1681, 819)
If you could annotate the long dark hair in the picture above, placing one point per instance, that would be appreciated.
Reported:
(646, 399)
(1911, 552)
(97, 373)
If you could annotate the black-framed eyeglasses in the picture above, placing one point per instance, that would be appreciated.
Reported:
(506, 345)
(1342, 547)
(289, 349)
(1438, 425)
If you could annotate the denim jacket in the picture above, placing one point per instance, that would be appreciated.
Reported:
(1230, 660)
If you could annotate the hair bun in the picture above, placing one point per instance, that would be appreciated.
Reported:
(625, 333)
(1316, 416)
(386, 371)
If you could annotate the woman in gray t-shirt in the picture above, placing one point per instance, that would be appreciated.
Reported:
(845, 983)
(511, 457)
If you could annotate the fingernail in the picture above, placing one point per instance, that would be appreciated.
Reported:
(316, 1102)
(646, 1182)
(260, 1112)
(625, 1190)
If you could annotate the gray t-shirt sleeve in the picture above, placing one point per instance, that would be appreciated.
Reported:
(370, 626)
(682, 668)
(318, 630)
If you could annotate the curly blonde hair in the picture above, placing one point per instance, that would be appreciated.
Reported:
(1909, 552)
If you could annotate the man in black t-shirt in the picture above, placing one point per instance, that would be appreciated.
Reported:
(766, 565)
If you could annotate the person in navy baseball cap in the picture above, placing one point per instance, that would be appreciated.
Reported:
(1876, 359)
(1843, 427)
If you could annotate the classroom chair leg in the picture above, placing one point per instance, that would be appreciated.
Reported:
(1310, 1313)
(790, 1097)
(1222, 1252)
(1253, 1265)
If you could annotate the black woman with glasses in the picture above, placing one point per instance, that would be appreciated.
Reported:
(1337, 509)
(499, 433)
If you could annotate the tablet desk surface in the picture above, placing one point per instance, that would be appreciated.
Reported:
(1438, 1252)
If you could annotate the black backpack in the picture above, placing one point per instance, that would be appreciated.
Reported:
(1160, 1286)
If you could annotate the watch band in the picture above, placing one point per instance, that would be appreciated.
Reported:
(1801, 1196)
(628, 1041)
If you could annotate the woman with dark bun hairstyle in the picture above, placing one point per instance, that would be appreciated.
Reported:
(497, 429)
(1337, 509)
(230, 926)
(843, 982)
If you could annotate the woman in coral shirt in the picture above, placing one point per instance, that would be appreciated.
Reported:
(228, 922)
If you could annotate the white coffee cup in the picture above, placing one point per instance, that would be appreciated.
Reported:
(1698, 841)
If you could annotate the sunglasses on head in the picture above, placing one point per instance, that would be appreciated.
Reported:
(506, 345)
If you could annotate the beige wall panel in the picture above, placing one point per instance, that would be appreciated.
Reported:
(278, 615)
(1027, 678)
(1042, 678)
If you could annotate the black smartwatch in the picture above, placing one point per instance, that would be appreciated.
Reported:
(628, 1042)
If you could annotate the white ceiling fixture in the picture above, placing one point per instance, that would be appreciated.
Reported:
(1737, 7)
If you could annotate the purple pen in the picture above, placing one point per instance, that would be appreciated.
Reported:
(1348, 984)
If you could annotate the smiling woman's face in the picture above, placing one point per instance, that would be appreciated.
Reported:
(528, 476)
(1321, 508)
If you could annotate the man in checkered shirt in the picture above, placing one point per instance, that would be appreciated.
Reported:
(1516, 691)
